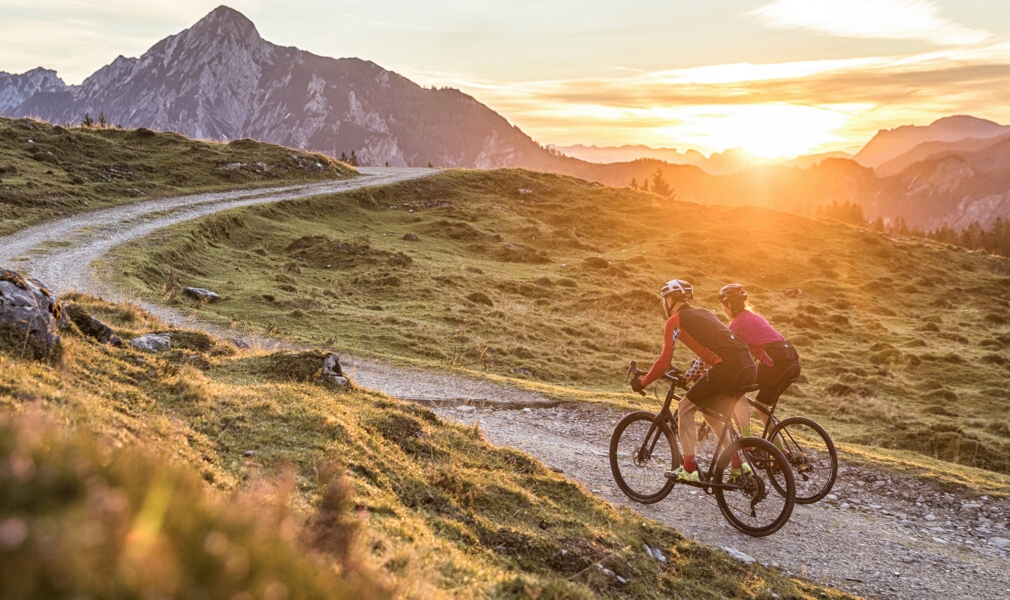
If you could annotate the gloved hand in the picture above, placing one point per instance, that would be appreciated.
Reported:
(636, 384)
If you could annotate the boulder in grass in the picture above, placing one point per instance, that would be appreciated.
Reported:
(91, 326)
(201, 294)
(29, 317)
(332, 370)
(152, 342)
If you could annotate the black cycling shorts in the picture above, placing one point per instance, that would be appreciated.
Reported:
(724, 378)
(768, 378)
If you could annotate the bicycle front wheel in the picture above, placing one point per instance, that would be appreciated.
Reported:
(639, 463)
(812, 455)
(754, 504)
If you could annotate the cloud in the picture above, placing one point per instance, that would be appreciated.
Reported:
(882, 19)
(848, 100)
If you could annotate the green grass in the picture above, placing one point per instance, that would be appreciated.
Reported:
(903, 341)
(49, 171)
(340, 493)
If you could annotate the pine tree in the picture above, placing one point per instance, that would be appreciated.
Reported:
(102, 121)
(87, 121)
(353, 161)
(659, 185)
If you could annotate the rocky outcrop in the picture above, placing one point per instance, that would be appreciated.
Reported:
(201, 294)
(30, 316)
(91, 326)
(332, 371)
(152, 342)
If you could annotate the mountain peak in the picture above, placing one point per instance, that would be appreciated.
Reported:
(966, 126)
(225, 21)
(889, 144)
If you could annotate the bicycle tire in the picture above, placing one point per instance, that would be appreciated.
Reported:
(644, 481)
(757, 509)
(811, 454)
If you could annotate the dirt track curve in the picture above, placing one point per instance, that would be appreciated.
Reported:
(878, 535)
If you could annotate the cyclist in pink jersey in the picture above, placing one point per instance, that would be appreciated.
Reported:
(774, 355)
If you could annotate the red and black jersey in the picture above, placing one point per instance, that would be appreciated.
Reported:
(704, 334)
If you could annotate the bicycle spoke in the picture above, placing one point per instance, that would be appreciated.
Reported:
(812, 456)
(756, 507)
(639, 466)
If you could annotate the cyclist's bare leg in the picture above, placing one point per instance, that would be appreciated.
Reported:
(764, 419)
(687, 429)
(742, 414)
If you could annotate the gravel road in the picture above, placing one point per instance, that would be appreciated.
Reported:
(59, 253)
(878, 535)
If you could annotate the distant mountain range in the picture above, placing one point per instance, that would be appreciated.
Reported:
(718, 163)
(925, 176)
(219, 80)
(889, 144)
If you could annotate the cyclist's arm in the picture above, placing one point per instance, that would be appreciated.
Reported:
(670, 334)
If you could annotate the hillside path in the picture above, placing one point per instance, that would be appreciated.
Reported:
(59, 253)
(879, 535)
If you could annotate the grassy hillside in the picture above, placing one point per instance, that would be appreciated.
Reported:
(903, 342)
(49, 171)
(310, 491)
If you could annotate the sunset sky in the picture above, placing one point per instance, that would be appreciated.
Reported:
(775, 77)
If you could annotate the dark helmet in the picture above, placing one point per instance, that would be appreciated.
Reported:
(731, 292)
(677, 290)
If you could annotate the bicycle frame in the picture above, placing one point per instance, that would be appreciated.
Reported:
(726, 437)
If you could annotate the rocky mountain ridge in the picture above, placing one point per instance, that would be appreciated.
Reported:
(16, 89)
(219, 80)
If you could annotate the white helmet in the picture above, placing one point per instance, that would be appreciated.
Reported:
(678, 289)
(675, 290)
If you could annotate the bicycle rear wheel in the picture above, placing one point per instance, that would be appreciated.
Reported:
(639, 465)
(756, 507)
(812, 455)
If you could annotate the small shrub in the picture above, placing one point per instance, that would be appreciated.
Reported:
(994, 359)
(298, 367)
(197, 341)
(995, 319)
(941, 394)
(839, 389)
(999, 427)
(480, 298)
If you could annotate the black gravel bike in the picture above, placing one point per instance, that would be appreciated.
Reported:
(805, 444)
(644, 448)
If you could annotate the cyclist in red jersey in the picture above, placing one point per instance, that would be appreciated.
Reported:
(731, 367)
(774, 355)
